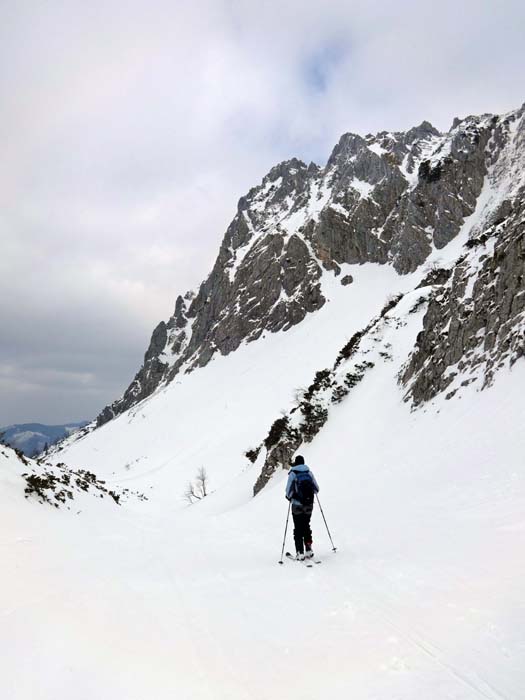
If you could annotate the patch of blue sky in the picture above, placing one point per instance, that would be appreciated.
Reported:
(320, 65)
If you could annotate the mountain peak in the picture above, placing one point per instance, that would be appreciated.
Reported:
(390, 198)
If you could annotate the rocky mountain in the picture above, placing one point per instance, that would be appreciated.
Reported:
(389, 198)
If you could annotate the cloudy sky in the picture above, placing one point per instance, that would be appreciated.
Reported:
(130, 128)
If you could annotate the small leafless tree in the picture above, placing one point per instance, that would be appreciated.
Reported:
(197, 489)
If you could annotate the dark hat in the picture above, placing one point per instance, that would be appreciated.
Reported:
(297, 461)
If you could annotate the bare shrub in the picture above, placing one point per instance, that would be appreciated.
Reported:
(198, 488)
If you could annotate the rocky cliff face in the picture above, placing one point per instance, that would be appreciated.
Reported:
(389, 198)
(475, 324)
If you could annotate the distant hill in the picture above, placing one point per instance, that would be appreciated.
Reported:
(32, 438)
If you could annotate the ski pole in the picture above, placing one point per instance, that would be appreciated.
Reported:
(334, 549)
(285, 531)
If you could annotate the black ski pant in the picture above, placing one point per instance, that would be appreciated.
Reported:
(302, 533)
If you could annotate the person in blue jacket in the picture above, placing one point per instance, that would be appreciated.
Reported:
(301, 488)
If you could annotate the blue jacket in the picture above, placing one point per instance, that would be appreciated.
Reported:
(290, 485)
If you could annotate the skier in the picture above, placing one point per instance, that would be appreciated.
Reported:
(300, 490)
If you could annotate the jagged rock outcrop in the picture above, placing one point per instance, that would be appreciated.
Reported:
(448, 186)
(389, 198)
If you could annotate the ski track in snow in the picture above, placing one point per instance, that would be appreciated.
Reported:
(465, 675)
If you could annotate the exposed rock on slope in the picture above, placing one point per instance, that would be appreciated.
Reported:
(389, 198)
(56, 484)
(476, 323)
(329, 386)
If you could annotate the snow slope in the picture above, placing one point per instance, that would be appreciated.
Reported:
(423, 599)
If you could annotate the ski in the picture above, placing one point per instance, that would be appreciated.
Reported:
(307, 562)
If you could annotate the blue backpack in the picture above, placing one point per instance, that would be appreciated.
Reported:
(304, 488)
